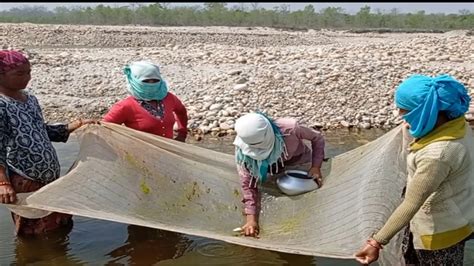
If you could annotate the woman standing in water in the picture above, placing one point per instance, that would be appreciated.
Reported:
(28, 160)
(438, 204)
(151, 107)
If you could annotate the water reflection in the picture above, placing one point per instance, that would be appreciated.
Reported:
(206, 251)
(148, 246)
(52, 248)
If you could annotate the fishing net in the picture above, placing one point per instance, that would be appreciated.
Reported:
(137, 178)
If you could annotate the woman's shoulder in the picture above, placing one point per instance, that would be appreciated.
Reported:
(31, 96)
(126, 101)
(173, 100)
(123, 105)
(171, 96)
(287, 125)
(445, 150)
(4, 100)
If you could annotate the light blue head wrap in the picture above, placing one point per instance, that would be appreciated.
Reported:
(423, 97)
(137, 72)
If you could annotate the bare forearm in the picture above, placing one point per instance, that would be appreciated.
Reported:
(252, 218)
(3, 174)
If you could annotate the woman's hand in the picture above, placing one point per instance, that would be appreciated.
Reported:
(405, 124)
(315, 173)
(7, 194)
(79, 123)
(368, 254)
(251, 227)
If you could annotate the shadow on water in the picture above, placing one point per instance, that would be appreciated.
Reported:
(146, 246)
(52, 247)
(99, 242)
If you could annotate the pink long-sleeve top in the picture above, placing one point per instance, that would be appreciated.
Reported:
(132, 114)
(298, 153)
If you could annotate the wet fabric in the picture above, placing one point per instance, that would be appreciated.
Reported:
(137, 178)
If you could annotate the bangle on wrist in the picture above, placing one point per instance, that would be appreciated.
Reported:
(372, 242)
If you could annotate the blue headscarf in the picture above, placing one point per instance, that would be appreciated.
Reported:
(423, 97)
(137, 72)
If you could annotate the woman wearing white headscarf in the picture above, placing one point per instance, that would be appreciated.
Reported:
(151, 107)
(264, 146)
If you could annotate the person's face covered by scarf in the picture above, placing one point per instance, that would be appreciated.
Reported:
(15, 70)
(145, 81)
(420, 99)
(255, 136)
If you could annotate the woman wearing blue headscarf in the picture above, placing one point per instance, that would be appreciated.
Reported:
(150, 107)
(438, 206)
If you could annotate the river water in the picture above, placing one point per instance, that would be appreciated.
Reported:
(98, 242)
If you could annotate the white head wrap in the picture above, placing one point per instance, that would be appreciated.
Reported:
(255, 136)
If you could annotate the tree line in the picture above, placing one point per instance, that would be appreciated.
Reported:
(219, 14)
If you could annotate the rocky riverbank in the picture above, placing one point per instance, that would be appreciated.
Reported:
(327, 79)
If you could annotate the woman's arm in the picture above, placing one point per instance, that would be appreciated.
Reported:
(429, 175)
(117, 113)
(249, 192)
(58, 132)
(317, 149)
(61, 132)
(4, 133)
(7, 193)
(181, 116)
(317, 143)
(251, 201)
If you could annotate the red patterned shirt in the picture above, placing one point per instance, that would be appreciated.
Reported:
(137, 115)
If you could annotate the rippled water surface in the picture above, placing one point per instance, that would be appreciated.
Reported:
(98, 242)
